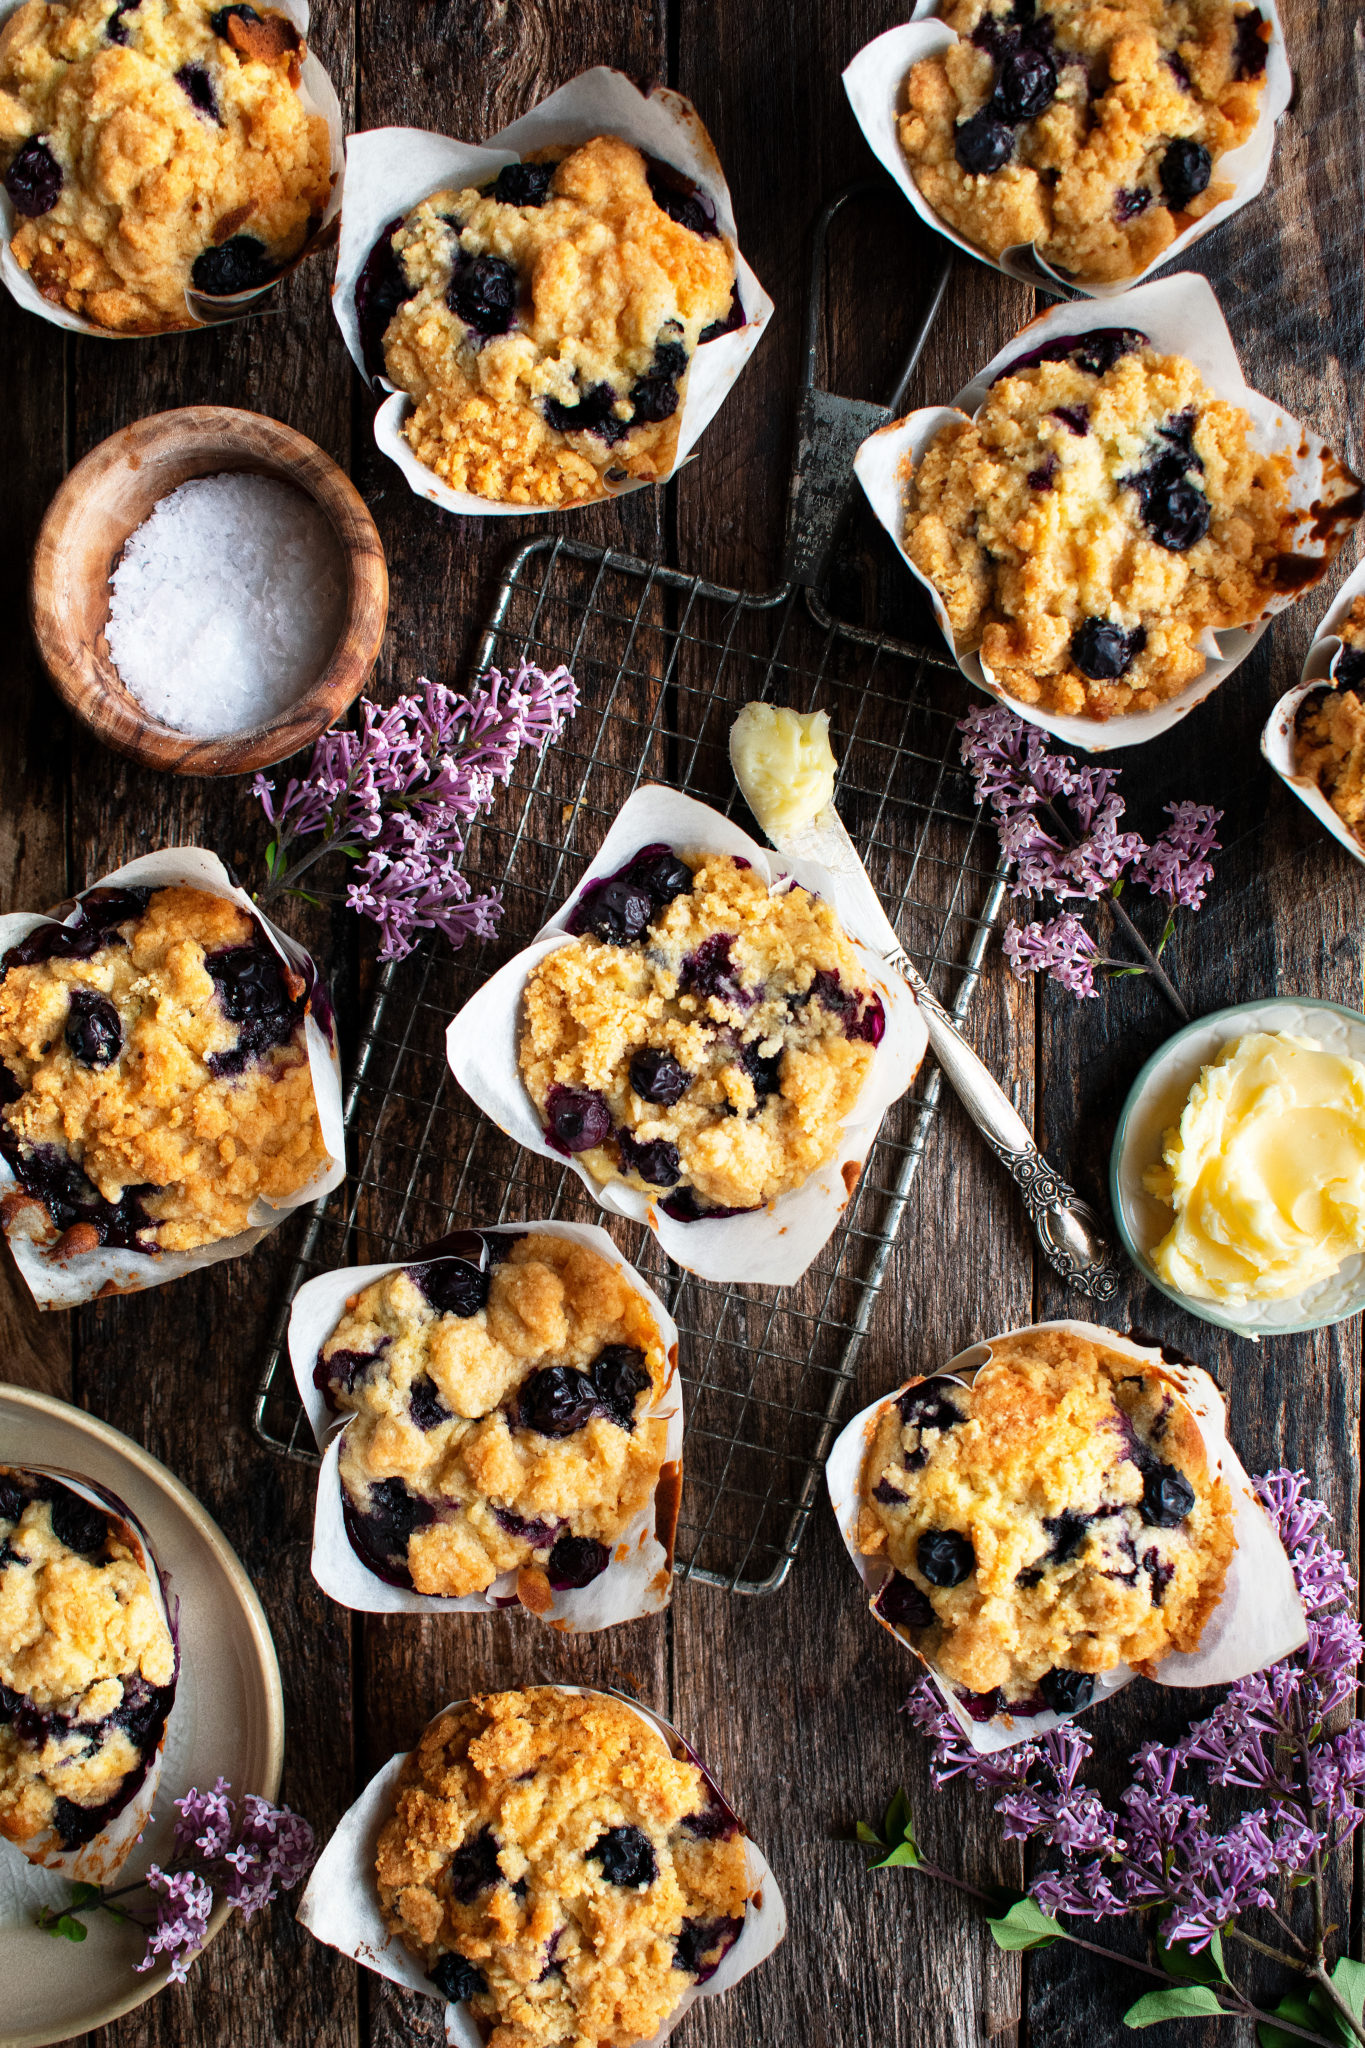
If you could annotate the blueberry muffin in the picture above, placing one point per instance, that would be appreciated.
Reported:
(544, 325)
(553, 1865)
(502, 1399)
(1330, 729)
(154, 1075)
(87, 1666)
(705, 1039)
(150, 147)
(1094, 129)
(1053, 1519)
(1099, 515)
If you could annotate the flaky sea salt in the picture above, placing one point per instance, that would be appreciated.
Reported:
(226, 603)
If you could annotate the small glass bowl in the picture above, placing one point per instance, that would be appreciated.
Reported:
(1155, 1102)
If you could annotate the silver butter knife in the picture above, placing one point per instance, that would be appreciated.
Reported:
(1066, 1227)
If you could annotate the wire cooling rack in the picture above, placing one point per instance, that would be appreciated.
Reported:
(663, 661)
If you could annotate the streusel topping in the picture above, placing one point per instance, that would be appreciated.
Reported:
(1102, 512)
(1053, 1519)
(1330, 736)
(151, 146)
(502, 1406)
(545, 326)
(1094, 129)
(550, 1862)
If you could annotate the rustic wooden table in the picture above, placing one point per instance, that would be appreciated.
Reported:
(794, 1696)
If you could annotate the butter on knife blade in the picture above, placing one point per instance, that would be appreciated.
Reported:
(784, 764)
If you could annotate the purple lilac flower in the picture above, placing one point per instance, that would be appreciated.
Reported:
(1063, 947)
(1176, 865)
(399, 791)
(250, 1854)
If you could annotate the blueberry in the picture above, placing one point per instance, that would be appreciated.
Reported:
(238, 265)
(578, 1119)
(902, 1603)
(1103, 650)
(944, 1557)
(1185, 171)
(593, 413)
(658, 869)
(484, 291)
(454, 1287)
(699, 1939)
(1178, 70)
(34, 180)
(392, 1514)
(829, 992)
(1075, 418)
(870, 1026)
(983, 144)
(618, 913)
(427, 1408)
(1066, 1692)
(1066, 1534)
(1040, 479)
(1174, 509)
(576, 1561)
(455, 1978)
(928, 1406)
(657, 1161)
(197, 87)
(220, 20)
(381, 288)
(733, 319)
(94, 1033)
(1130, 201)
(116, 29)
(626, 1856)
(77, 1523)
(980, 1706)
(540, 1534)
(1167, 1497)
(343, 1370)
(652, 399)
(557, 1400)
(764, 1070)
(13, 1497)
(1249, 56)
(524, 184)
(1159, 1572)
(11, 1087)
(53, 1178)
(890, 1496)
(256, 993)
(710, 972)
(657, 1077)
(473, 1868)
(679, 204)
(684, 1207)
(1026, 85)
(620, 1377)
(1347, 671)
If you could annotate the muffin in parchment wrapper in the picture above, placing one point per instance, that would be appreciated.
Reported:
(341, 1905)
(772, 1245)
(1179, 316)
(62, 1281)
(99, 1859)
(639, 1578)
(1258, 1618)
(389, 171)
(875, 82)
(1281, 742)
(319, 96)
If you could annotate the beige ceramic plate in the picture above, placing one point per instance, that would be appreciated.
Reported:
(228, 1721)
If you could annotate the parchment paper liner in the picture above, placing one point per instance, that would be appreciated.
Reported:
(319, 96)
(1258, 1620)
(636, 1583)
(99, 1860)
(1278, 741)
(390, 170)
(875, 82)
(1155, 1102)
(107, 1271)
(771, 1246)
(1181, 315)
(341, 1904)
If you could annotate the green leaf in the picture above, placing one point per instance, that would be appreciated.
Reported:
(272, 854)
(1189, 1967)
(63, 1926)
(1293, 2006)
(869, 1835)
(1116, 888)
(905, 1856)
(1122, 973)
(1349, 1979)
(1181, 2002)
(1025, 1925)
(897, 1824)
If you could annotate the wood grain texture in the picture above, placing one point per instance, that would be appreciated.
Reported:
(794, 1697)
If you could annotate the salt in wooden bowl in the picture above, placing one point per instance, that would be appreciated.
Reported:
(106, 498)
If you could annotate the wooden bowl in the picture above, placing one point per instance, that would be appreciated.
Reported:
(108, 495)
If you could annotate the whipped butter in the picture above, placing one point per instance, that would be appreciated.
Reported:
(784, 764)
(1265, 1172)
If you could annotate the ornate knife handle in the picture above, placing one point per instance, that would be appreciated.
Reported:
(1066, 1228)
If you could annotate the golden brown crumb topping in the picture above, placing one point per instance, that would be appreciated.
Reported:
(549, 1860)
(1330, 735)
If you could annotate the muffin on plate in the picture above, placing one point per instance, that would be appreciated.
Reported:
(154, 1074)
(87, 1666)
(1329, 732)
(544, 325)
(701, 1037)
(504, 1414)
(1102, 512)
(154, 147)
(1092, 129)
(1053, 1519)
(551, 1864)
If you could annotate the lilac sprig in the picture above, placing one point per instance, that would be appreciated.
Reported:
(396, 794)
(1059, 828)
(1158, 1850)
(245, 1854)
